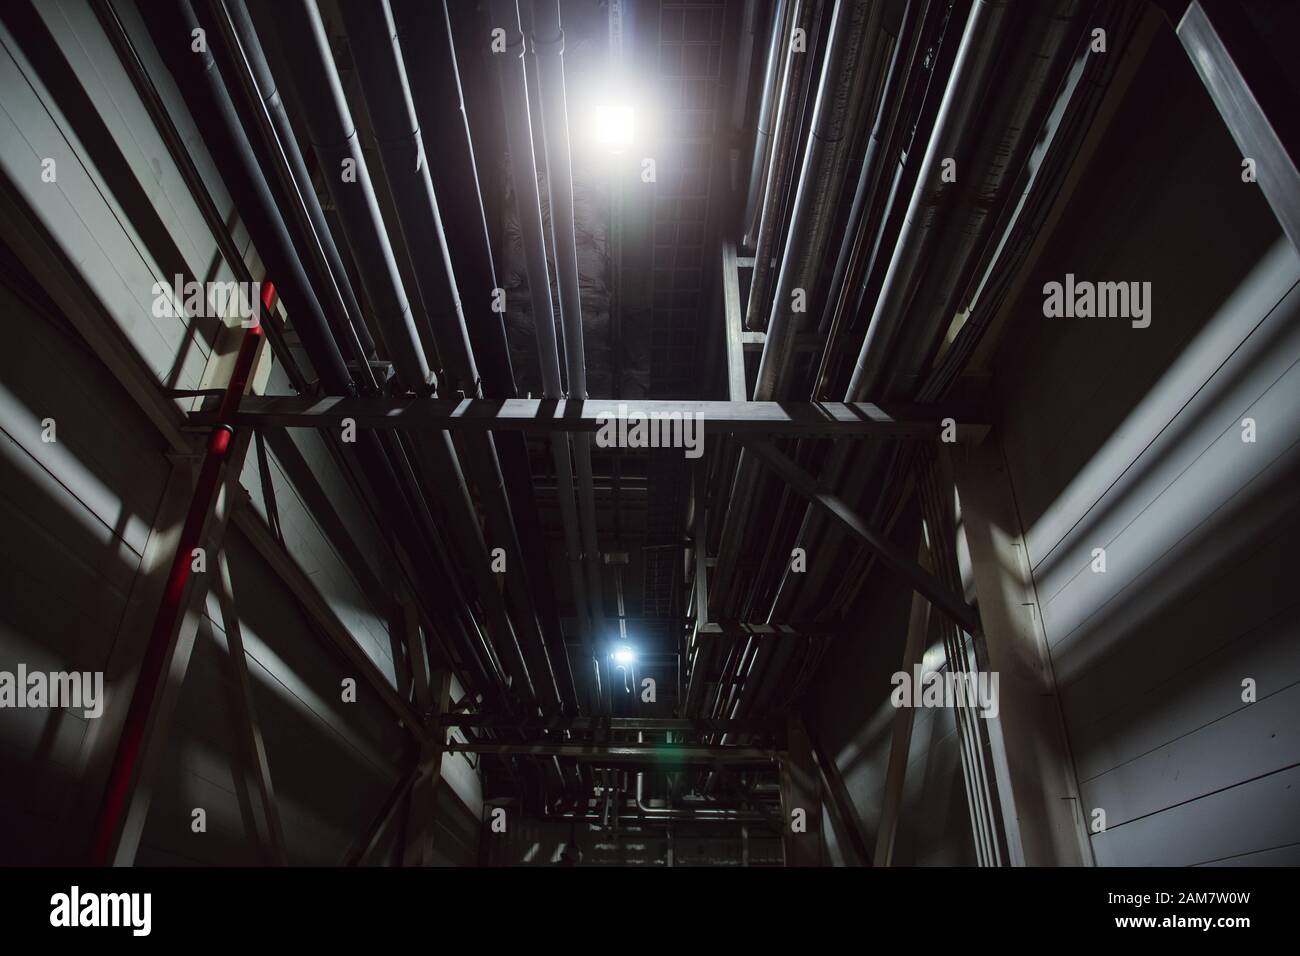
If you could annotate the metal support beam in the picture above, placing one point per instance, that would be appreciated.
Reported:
(421, 822)
(1258, 104)
(918, 629)
(546, 416)
(889, 554)
(801, 799)
(677, 725)
(251, 730)
(300, 586)
(656, 756)
(737, 390)
(1036, 783)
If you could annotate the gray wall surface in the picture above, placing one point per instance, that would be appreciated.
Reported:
(1130, 440)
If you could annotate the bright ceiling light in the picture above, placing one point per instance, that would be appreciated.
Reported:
(613, 126)
(624, 655)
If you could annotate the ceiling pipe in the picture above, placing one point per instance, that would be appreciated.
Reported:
(1007, 125)
(209, 101)
(440, 103)
(1026, 88)
(796, 592)
(519, 136)
(377, 57)
(328, 118)
(548, 48)
(981, 44)
(839, 111)
(843, 96)
(774, 72)
(299, 178)
(299, 36)
(797, 74)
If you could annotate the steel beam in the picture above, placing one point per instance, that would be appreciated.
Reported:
(921, 581)
(657, 756)
(801, 799)
(679, 725)
(741, 629)
(546, 416)
(900, 745)
(737, 390)
(1255, 99)
(250, 728)
(1036, 782)
(304, 591)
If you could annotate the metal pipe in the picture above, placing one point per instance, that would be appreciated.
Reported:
(788, 125)
(548, 47)
(844, 90)
(774, 73)
(1010, 124)
(377, 56)
(329, 122)
(440, 102)
(519, 137)
(209, 101)
(262, 77)
(977, 57)
(305, 47)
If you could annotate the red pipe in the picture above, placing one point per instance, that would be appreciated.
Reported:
(112, 808)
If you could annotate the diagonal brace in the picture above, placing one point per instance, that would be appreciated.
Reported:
(921, 581)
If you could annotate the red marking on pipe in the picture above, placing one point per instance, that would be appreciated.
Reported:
(112, 808)
(268, 294)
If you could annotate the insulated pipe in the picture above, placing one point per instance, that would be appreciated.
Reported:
(548, 47)
(1011, 121)
(209, 102)
(787, 128)
(270, 95)
(372, 454)
(977, 57)
(148, 684)
(519, 137)
(855, 35)
(910, 34)
(855, 32)
(377, 56)
(236, 66)
(329, 121)
(773, 89)
(210, 98)
(439, 100)
(305, 48)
